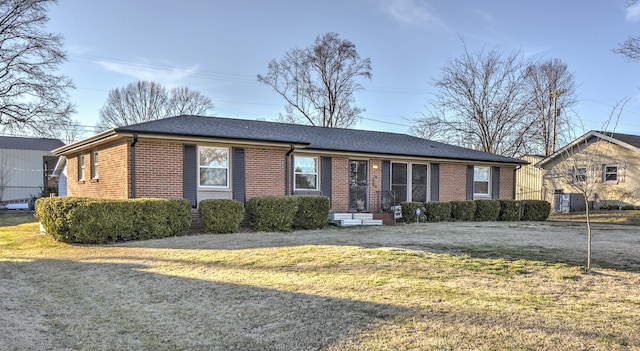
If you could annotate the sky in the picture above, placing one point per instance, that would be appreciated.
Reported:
(219, 47)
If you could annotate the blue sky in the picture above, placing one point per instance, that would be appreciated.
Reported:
(218, 48)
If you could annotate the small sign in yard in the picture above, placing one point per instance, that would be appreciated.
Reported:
(397, 212)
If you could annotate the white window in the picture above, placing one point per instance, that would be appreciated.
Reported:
(579, 174)
(81, 167)
(94, 165)
(481, 181)
(213, 167)
(305, 173)
(610, 174)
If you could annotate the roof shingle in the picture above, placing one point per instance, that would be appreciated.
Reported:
(317, 138)
(20, 143)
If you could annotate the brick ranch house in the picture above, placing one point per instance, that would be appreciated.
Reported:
(199, 158)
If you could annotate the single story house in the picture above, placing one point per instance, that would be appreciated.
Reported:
(25, 167)
(605, 164)
(199, 158)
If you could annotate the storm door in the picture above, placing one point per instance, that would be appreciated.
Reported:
(358, 185)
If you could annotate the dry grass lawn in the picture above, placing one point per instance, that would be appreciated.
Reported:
(443, 286)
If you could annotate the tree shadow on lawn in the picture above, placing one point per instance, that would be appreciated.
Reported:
(65, 304)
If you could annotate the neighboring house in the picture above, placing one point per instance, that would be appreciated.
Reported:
(201, 158)
(25, 165)
(529, 179)
(60, 173)
(609, 163)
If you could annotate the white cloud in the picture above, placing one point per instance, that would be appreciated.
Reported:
(145, 70)
(411, 12)
(633, 12)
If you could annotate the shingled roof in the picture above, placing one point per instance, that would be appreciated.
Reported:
(317, 138)
(20, 143)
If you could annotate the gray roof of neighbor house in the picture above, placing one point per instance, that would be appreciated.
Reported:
(633, 140)
(44, 144)
(317, 138)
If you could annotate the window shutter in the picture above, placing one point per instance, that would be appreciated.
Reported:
(386, 176)
(190, 174)
(470, 182)
(238, 176)
(325, 177)
(495, 182)
(435, 182)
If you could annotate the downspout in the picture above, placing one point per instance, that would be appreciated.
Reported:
(133, 165)
(287, 161)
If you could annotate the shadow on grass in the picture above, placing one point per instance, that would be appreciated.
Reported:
(64, 304)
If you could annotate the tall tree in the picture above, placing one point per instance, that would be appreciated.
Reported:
(482, 103)
(319, 82)
(32, 95)
(552, 90)
(144, 101)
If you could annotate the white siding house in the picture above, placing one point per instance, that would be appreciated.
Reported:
(25, 167)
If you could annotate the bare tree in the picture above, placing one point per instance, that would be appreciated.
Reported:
(184, 101)
(630, 48)
(581, 166)
(482, 103)
(145, 101)
(553, 92)
(32, 96)
(319, 82)
(69, 131)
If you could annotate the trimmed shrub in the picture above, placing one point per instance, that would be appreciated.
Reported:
(98, 221)
(437, 211)
(221, 215)
(463, 210)
(272, 213)
(313, 212)
(536, 210)
(487, 210)
(510, 210)
(409, 211)
(629, 208)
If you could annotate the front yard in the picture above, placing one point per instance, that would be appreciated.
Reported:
(441, 286)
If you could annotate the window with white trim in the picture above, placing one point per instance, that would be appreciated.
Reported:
(305, 173)
(579, 174)
(81, 167)
(94, 165)
(399, 180)
(610, 173)
(213, 167)
(481, 181)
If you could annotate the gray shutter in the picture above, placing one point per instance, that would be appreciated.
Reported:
(470, 182)
(325, 177)
(495, 182)
(238, 174)
(386, 175)
(190, 174)
(435, 182)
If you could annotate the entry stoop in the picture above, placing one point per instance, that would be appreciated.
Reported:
(387, 218)
(196, 222)
(353, 219)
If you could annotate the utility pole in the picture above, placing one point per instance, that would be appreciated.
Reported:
(554, 94)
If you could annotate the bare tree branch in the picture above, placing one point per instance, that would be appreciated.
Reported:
(318, 83)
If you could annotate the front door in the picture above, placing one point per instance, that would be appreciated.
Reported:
(358, 185)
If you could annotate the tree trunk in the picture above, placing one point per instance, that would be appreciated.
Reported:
(588, 215)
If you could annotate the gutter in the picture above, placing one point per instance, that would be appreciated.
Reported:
(515, 185)
(133, 165)
(287, 162)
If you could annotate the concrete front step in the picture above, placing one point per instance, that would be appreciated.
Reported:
(353, 219)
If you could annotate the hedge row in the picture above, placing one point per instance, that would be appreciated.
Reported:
(99, 221)
(265, 213)
(478, 210)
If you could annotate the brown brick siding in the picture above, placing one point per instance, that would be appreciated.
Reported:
(264, 172)
(453, 182)
(158, 169)
(339, 184)
(113, 176)
(507, 179)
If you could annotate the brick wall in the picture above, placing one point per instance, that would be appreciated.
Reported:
(339, 184)
(453, 182)
(265, 172)
(158, 169)
(507, 179)
(113, 175)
